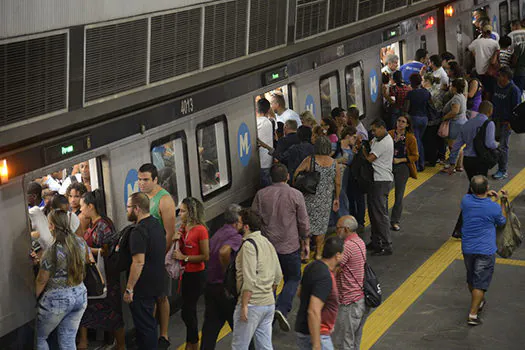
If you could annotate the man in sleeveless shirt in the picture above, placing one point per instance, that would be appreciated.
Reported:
(162, 207)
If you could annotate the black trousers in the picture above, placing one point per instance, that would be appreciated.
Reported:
(192, 286)
(473, 167)
(145, 324)
(219, 309)
(430, 144)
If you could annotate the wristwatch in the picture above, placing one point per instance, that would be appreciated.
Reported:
(129, 291)
(187, 258)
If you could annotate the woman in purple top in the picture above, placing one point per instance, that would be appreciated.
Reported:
(475, 90)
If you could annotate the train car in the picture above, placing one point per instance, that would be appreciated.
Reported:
(203, 138)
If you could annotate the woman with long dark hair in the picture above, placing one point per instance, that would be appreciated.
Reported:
(61, 278)
(101, 236)
(194, 252)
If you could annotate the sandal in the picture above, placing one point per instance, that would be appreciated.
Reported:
(395, 227)
(459, 170)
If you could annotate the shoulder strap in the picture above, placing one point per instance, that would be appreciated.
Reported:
(312, 164)
(364, 258)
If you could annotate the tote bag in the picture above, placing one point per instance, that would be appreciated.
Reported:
(95, 279)
(173, 267)
(444, 129)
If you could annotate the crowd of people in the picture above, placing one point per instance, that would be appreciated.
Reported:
(431, 103)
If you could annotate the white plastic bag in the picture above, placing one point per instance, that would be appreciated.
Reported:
(102, 269)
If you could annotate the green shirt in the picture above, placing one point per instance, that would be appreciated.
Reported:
(154, 204)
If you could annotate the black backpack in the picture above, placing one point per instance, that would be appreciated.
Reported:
(230, 276)
(517, 119)
(486, 156)
(371, 287)
(119, 258)
(362, 171)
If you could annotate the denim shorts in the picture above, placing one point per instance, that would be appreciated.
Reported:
(480, 269)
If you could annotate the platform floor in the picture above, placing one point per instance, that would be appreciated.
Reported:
(426, 299)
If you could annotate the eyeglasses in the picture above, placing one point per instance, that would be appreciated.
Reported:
(340, 227)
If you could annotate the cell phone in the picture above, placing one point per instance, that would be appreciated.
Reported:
(35, 246)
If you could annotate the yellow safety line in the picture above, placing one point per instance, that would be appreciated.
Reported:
(501, 261)
(399, 301)
(412, 184)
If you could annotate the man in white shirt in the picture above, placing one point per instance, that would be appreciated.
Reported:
(264, 134)
(282, 114)
(381, 156)
(391, 65)
(438, 71)
(518, 33)
(483, 49)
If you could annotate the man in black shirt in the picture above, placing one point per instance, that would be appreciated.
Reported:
(147, 246)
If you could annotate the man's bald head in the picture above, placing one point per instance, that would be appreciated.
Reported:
(479, 185)
(346, 225)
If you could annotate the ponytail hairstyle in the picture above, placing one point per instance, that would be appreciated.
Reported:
(72, 248)
(96, 198)
(195, 211)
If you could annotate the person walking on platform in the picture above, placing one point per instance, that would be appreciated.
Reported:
(146, 248)
(350, 280)
(381, 156)
(286, 224)
(319, 299)
(258, 275)
(162, 207)
(480, 217)
(220, 308)
(506, 96)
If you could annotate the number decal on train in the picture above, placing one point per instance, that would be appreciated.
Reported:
(186, 106)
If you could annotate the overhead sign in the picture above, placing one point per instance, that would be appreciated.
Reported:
(131, 184)
(309, 104)
(275, 75)
(244, 144)
(66, 149)
(374, 85)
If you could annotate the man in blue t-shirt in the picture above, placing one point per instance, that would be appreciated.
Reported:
(480, 217)
(415, 66)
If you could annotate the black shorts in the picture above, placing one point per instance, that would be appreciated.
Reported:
(480, 269)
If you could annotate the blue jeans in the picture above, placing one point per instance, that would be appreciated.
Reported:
(419, 123)
(480, 269)
(503, 160)
(291, 268)
(259, 327)
(304, 342)
(61, 309)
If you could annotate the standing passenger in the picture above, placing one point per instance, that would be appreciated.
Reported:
(265, 134)
(219, 307)
(162, 208)
(319, 299)
(415, 66)
(146, 247)
(285, 223)
(258, 275)
(480, 218)
(350, 281)
(381, 156)
(483, 50)
(283, 114)
(101, 236)
(326, 198)
(194, 252)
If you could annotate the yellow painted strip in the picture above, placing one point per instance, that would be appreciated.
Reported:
(512, 262)
(399, 301)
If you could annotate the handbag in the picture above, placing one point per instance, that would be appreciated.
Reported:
(508, 237)
(307, 180)
(444, 129)
(371, 287)
(173, 267)
(95, 280)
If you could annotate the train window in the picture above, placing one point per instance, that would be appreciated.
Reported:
(214, 156)
(169, 155)
(355, 87)
(503, 18)
(515, 9)
(330, 96)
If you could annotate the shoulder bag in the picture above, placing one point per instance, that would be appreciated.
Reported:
(308, 180)
(508, 237)
(444, 129)
(95, 279)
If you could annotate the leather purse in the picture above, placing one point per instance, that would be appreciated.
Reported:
(308, 180)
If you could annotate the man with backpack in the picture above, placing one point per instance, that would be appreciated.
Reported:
(506, 97)
(258, 275)
(352, 310)
(220, 307)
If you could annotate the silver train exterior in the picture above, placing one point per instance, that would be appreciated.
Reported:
(229, 107)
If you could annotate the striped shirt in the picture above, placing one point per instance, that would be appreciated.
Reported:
(352, 263)
(505, 57)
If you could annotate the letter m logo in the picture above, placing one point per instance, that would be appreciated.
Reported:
(244, 144)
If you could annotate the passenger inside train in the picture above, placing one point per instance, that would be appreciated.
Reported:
(296, 256)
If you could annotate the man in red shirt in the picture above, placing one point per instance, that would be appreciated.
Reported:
(352, 308)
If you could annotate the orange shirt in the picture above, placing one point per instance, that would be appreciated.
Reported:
(190, 246)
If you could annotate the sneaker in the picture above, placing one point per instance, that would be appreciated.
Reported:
(164, 343)
(283, 322)
(474, 321)
(481, 306)
(383, 252)
(500, 175)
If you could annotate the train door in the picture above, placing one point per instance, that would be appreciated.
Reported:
(504, 23)
(515, 10)
(397, 48)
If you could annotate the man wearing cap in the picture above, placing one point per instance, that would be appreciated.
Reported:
(483, 49)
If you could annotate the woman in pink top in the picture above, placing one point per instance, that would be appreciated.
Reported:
(330, 129)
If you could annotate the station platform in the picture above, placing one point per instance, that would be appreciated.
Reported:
(426, 299)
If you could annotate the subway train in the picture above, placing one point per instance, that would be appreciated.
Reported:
(203, 138)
